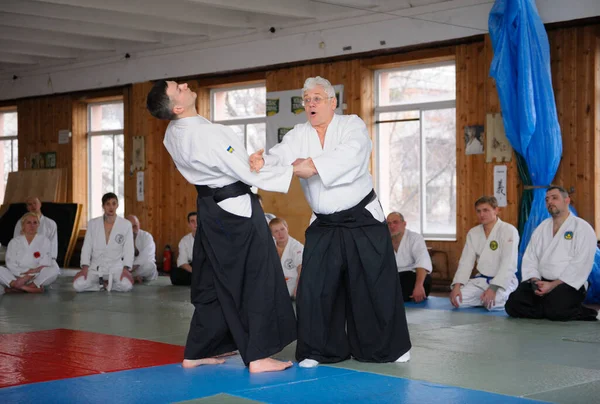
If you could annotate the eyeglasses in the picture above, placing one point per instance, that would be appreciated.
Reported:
(317, 100)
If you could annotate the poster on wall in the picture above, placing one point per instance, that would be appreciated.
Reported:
(284, 110)
(139, 186)
(497, 145)
(500, 185)
(474, 139)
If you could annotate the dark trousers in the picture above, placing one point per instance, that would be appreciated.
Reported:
(181, 277)
(349, 299)
(408, 280)
(564, 303)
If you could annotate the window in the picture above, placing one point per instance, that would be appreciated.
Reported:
(9, 147)
(244, 110)
(106, 155)
(415, 114)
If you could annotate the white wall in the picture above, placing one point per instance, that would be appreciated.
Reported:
(286, 45)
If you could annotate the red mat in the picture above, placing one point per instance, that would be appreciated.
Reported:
(41, 356)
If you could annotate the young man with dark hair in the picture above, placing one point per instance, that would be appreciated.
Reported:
(238, 290)
(493, 246)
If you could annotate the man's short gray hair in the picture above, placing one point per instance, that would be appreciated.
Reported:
(312, 82)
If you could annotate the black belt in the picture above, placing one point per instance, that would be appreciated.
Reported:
(348, 215)
(226, 192)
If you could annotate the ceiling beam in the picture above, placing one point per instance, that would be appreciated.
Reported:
(38, 36)
(49, 51)
(12, 58)
(282, 8)
(78, 28)
(172, 10)
(134, 21)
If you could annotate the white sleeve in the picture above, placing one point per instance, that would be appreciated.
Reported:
(13, 259)
(128, 249)
(47, 259)
(284, 153)
(420, 254)
(148, 251)
(508, 259)
(349, 159)
(578, 271)
(88, 241)
(530, 263)
(466, 262)
(183, 255)
(235, 164)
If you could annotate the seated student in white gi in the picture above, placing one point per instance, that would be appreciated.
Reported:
(494, 246)
(29, 262)
(290, 252)
(107, 253)
(182, 275)
(47, 225)
(412, 258)
(144, 261)
(556, 265)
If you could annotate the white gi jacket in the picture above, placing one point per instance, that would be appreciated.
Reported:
(412, 253)
(290, 260)
(343, 164)
(22, 256)
(108, 258)
(186, 250)
(213, 155)
(47, 228)
(496, 255)
(144, 242)
(568, 255)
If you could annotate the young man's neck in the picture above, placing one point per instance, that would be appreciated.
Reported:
(488, 227)
(187, 113)
(110, 219)
(559, 220)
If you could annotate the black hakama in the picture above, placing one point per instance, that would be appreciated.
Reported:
(349, 300)
(238, 288)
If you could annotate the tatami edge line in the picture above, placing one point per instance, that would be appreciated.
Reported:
(560, 388)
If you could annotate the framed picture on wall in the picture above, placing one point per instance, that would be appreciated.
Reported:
(51, 160)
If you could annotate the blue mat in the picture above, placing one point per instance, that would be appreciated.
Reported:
(172, 383)
(443, 303)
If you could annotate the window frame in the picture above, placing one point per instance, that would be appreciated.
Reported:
(89, 135)
(11, 139)
(241, 121)
(421, 107)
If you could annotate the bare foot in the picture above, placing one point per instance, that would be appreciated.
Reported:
(268, 365)
(224, 355)
(32, 289)
(139, 279)
(192, 363)
(13, 290)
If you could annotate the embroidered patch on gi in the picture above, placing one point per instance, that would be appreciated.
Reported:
(494, 245)
(230, 149)
(568, 235)
(289, 264)
(119, 238)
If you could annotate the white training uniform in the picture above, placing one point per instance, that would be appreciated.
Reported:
(341, 183)
(146, 259)
(568, 255)
(496, 257)
(213, 155)
(185, 253)
(412, 253)
(104, 259)
(47, 228)
(22, 256)
(290, 260)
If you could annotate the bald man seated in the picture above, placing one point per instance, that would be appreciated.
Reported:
(46, 228)
(144, 261)
(412, 259)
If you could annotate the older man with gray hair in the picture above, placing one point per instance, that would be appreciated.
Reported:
(349, 299)
(144, 261)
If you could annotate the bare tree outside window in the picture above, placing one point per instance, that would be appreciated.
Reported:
(9, 147)
(106, 154)
(416, 147)
(244, 110)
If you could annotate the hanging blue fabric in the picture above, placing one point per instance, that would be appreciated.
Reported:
(521, 69)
